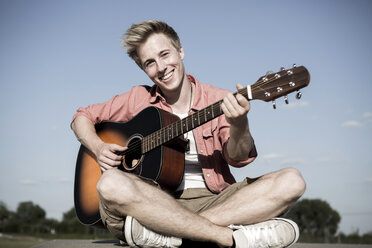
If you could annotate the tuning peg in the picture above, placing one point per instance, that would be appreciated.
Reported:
(282, 68)
(294, 65)
(269, 72)
(286, 99)
(274, 104)
(298, 95)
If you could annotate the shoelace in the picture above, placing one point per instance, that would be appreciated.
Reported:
(153, 239)
(264, 236)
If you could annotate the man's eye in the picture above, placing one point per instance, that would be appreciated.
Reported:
(149, 63)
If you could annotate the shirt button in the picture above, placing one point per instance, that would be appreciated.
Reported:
(208, 175)
(201, 151)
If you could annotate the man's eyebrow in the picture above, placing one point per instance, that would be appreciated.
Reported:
(151, 59)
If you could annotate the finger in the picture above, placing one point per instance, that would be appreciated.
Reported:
(109, 162)
(104, 166)
(112, 156)
(225, 110)
(243, 102)
(117, 149)
(239, 86)
(233, 105)
(228, 109)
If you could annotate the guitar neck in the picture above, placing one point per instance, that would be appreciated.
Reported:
(185, 125)
(266, 88)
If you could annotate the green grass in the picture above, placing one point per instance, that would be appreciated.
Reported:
(24, 241)
(19, 243)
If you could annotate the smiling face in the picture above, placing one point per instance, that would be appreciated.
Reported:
(163, 63)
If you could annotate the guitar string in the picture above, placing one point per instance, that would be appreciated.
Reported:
(215, 107)
(170, 128)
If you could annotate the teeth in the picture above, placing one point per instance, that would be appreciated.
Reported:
(166, 76)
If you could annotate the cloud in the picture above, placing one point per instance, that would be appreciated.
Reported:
(368, 180)
(63, 180)
(28, 182)
(293, 162)
(352, 124)
(367, 115)
(271, 156)
(324, 159)
(297, 104)
(53, 127)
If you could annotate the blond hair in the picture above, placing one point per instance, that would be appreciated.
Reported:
(137, 34)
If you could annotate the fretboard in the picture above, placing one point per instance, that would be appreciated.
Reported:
(184, 125)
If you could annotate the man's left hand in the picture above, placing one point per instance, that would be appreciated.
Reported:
(236, 108)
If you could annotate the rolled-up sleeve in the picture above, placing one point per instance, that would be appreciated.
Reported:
(96, 113)
(224, 136)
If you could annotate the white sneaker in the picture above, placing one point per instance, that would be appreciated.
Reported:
(137, 235)
(274, 233)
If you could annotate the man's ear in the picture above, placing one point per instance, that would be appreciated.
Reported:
(182, 53)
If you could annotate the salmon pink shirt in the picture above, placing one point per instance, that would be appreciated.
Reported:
(211, 138)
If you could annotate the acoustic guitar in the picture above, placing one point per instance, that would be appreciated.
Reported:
(155, 142)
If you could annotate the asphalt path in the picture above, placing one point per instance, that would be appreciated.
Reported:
(115, 243)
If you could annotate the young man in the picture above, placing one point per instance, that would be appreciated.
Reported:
(208, 205)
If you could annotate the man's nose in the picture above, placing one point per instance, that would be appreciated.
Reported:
(161, 66)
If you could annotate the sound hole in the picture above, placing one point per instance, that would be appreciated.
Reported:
(132, 157)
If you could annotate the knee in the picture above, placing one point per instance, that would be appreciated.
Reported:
(292, 184)
(115, 187)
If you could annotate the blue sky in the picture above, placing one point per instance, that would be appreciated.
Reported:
(58, 55)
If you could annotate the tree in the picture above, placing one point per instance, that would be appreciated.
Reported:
(4, 216)
(29, 212)
(4, 212)
(28, 218)
(71, 224)
(315, 218)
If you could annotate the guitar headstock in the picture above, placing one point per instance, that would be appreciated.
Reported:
(281, 83)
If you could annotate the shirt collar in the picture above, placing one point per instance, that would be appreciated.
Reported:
(198, 102)
(155, 93)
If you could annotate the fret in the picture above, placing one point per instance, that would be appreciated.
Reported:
(154, 140)
(178, 128)
(148, 143)
(198, 118)
(182, 123)
(169, 133)
(176, 134)
(186, 126)
(158, 138)
(209, 113)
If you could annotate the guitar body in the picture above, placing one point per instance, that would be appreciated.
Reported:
(164, 164)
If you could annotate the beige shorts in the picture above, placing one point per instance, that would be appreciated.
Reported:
(196, 200)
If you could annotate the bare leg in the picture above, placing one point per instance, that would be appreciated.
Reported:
(267, 197)
(157, 210)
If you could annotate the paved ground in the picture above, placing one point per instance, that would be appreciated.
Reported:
(115, 243)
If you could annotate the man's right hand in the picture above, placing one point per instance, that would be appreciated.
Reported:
(109, 155)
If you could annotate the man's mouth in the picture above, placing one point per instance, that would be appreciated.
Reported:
(166, 76)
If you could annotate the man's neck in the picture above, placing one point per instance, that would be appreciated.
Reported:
(182, 101)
